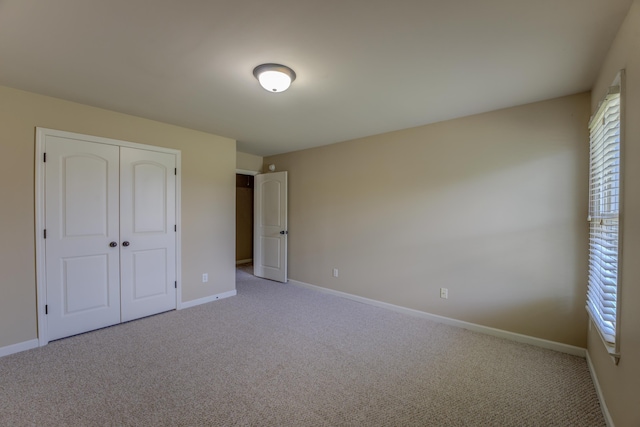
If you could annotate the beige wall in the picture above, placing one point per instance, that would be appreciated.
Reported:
(248, 162)
(621, 384)
(492, 207)
(208, 198)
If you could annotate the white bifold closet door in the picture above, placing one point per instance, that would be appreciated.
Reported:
(110, 243)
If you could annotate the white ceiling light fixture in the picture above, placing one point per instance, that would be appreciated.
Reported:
(274, 77)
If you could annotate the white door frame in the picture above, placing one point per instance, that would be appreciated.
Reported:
(41, 283)
(247, 172)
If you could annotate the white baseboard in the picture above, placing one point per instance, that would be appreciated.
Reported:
(17, 348)
(244, 261)
(603, 404)
(538, 342)
(205, 300)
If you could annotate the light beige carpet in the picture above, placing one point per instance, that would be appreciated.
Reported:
(278, 355)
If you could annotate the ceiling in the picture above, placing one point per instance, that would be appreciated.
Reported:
(363, 67)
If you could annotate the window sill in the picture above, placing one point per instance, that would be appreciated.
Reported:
(611, 349)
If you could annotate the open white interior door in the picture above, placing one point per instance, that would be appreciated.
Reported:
(270, 226)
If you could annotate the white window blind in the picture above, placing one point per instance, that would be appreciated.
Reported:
(604, 209)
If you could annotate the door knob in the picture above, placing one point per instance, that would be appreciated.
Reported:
(125, 243)
(284, 232)
(113, 244)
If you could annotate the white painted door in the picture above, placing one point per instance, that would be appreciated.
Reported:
(81, 221)
(147, 221)
(110, 242)
(270, 226)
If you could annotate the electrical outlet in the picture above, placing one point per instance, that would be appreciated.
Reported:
(205, 277)
(335, 272)
(444, 293)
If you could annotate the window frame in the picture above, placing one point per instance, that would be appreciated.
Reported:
(603, 219)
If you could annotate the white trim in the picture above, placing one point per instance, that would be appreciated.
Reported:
(526, 339)
(179, 229)
(17, 348)
(108, 141)
(613, 351)
(244, 261)
(603, 404)
(206, 300)
(41, 286)
(247, 172)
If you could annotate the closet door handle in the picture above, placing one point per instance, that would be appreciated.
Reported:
(125, 243)
(113, 244)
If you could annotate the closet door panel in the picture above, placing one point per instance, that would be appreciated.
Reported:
(81, 211)
(147, 221)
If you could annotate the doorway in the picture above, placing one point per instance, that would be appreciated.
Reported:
(261, 223)
(244, 218)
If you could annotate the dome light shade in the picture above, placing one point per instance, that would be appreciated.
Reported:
(274, 77)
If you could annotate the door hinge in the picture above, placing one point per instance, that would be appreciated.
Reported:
(45, 233)
(175, 228)
(175, 171)
(46, 309)
(44, 157)
(176, 284)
